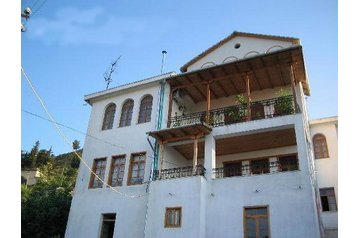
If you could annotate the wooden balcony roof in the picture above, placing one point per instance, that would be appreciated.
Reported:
(181, 133)
(268, 70)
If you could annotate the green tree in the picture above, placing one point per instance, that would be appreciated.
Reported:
(45, 206)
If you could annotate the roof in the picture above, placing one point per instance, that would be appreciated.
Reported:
(233, 35)
(90, 97)
(268, 70)
(324, 120)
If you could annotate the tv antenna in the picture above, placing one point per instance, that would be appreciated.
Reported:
(108, 75)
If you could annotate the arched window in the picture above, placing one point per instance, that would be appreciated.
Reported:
(145, 110)
(320, 146)
(126, 115)
(109, 116)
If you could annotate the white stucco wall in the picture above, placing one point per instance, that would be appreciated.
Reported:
(185, 193)
(327, 168)
(248, 44)
(88, 205)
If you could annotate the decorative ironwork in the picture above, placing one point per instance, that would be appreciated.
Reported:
(250, 169)
(179, 172)
(239, 113)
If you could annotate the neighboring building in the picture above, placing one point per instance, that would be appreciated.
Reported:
(30, 176)
(187, 157)
(324, 134)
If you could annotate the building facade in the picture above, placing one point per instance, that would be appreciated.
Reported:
(222, 149)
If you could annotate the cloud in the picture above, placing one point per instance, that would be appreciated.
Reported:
(72, 26)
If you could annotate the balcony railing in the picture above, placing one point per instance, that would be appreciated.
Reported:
(179, 172)
(239, 113)
(251, 169)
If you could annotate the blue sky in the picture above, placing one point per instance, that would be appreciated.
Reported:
(70, 44)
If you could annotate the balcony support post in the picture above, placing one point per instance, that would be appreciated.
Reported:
(293, 79)
(208, 102)
(209, 156)
(195, 155)
(161, 156)
(170, 107)
(248, 96)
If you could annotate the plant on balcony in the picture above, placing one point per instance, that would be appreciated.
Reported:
(283, 104)
(236, 113)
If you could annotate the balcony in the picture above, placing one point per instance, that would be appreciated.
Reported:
(181, 172)
(256, 167)
(274, 107)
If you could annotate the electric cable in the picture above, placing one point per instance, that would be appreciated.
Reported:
(63, 136)
(73, 129)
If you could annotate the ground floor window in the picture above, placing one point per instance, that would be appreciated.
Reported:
(108, 221)
(256, 222)
(328, 199)
(172, 217)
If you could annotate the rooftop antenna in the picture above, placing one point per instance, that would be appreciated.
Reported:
(163, 59)
(108, 75)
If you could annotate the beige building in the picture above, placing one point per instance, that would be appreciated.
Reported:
(30, 176)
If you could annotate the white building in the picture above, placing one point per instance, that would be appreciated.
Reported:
(182, 155)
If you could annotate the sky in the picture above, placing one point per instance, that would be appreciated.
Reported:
(69, 45)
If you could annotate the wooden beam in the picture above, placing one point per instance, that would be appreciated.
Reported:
(254, 75)
(170, 107)
(248, 97)
(293, 87)
(189, 137)
(219, 83)
(201, 78)
(189, 94)
(195, 155)
(161, 156)
(208, 103)
(266, 72)
(196, 87)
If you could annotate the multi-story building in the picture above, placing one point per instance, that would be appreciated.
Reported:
(222, 149)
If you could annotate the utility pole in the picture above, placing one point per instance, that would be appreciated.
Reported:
(26, 14)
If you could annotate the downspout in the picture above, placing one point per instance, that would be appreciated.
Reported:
(155, 149)
(159, 121)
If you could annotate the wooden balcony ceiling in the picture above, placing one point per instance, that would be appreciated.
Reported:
(265, 71)
(245, 143)
(181, 133)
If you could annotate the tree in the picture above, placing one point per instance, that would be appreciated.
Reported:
(45, 206)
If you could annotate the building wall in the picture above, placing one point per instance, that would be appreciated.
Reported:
(31, 176)
(129, 202)
(248, 44)
(327, 168)
(185, 193)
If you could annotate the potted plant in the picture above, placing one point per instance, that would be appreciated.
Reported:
(238, 112)
(283, 104)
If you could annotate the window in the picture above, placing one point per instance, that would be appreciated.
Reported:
(260, 166)
(108, 222)
(109, 117)
(256, 222)
(288, 163)
(172, 217)
(328, 199)
(126, 115)
(320, 146)
(232, 169)
(117, 171)
(136, 170)
(145, 109)
(99, 167)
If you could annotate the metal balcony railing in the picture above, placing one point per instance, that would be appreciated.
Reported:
(173, 173)
(239, 113)
(251, 169)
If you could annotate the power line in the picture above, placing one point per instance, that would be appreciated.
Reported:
(69, 142)
(73, 129)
